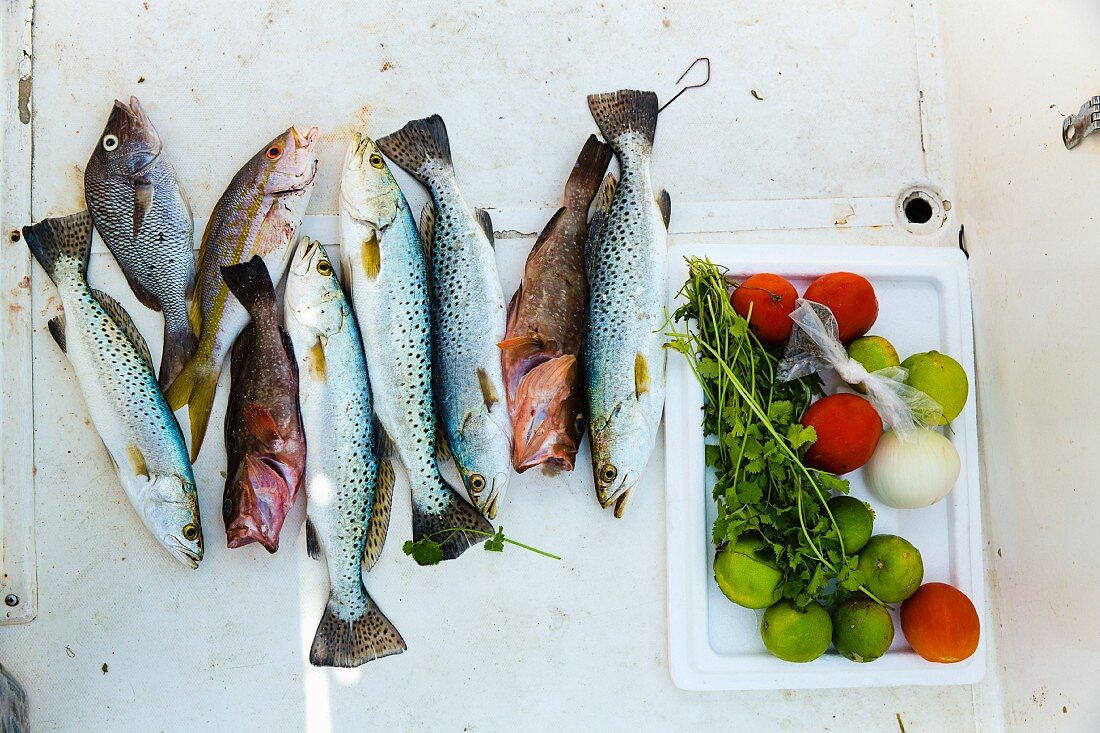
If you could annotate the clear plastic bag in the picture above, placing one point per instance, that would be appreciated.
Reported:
(815, 346)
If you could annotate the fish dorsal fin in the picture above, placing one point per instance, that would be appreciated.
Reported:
(380, 515)
(122, 319)
(641, 375)
(547, 232)
(664, 203)
(313, 542)
(143, 202)
(488, 391)
(261, 423)
(371, 254)
(486, 224)
(57, 330)
(427, 228)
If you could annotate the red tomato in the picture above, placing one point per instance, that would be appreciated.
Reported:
(772, 300)
(848, 429)
(851, 299)
(940, 623)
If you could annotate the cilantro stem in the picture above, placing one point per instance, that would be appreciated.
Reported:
(510, 541)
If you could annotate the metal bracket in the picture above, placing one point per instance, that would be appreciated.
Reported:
(1076, 128)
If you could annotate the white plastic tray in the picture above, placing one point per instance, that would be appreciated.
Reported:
(924, 303)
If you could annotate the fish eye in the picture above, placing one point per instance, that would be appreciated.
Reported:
(274, 152)
(190, 532)
(608, 473)
(110, 142)
(578, 423)
(477, 483)
(324, 267)
(376, 160)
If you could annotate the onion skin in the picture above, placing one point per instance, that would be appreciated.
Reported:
(941, 623)
(913, 474)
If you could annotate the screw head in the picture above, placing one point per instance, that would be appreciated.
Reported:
(11, 599)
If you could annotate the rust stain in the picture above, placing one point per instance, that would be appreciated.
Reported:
(386, 66)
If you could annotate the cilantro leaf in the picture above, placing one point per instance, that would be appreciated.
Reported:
(496, 542)
(425, 551)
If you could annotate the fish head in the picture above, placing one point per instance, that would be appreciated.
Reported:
(256, 503)
(313, 294)
(546, 419)
(368, 191)
(170, 509)
(621, 445)
(289, 162)
(482, 452)
(129, 144)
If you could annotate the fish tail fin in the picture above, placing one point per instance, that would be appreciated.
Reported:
(420, 147)
(180, 343)
(587, 175)
(62, 244)
(351, 643)
(627, 110)
(195, 387)
(447, 525)
(250, 283)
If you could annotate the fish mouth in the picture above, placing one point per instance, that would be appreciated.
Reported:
(489, 502)
(306, 141)
(131, 122)
(246, 530)
(183, 553)
(555, 449)
(617, 494)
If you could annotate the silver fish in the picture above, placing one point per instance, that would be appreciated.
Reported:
(385, 273)
(348, 496)
(113, 367)
(626, 264)
(468, 315)
(141, 213)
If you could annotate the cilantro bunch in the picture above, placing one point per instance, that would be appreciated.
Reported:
(755, 443)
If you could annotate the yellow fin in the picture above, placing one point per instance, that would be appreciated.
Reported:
(488, 392)
(137, 461)
(641, 375)
(372, 256)
(317, 363)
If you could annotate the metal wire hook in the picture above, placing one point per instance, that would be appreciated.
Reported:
(689, 86)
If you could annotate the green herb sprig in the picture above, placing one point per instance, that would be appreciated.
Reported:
(427, 551)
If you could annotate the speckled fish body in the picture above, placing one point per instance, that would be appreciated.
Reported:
(13, 704)
(624, 360)
(258, 214)
(468, 315)
(264, 443)
(113, 368)
(348, 496)
(385, 273)
(140, 211)
(546, 324)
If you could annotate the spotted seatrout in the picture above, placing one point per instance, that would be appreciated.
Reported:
(258, 214)
(385, 273)
(468, 315)
(115, 372)
(625, 259)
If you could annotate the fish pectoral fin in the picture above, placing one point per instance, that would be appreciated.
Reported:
(380, 515)
(518, 342)
(313, 543)
(427, 228)
(57, 330)
(664, 203)
(488, 390)
(143, 202)
(371, 255)
(486, 224)
(641, 375)
(316, 359)
(261, 423)
(137, 461)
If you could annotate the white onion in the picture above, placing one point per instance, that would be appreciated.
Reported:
(915, 473)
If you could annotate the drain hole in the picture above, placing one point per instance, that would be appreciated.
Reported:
(918, 210)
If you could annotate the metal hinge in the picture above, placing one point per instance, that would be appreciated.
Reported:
(1076, 128)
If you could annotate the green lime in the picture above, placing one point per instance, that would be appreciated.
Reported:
(941, 378)
(862, 629)
(744, 576)
(892, 568)
(854, 518)
(796, 635)
(874, 353)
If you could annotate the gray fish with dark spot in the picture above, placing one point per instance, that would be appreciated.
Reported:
(626, 261)
(264, 444)
(348, 493)
(140, 211)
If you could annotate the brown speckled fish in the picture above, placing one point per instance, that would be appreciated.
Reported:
(546, 322)
(265, 447)
(258, 214)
